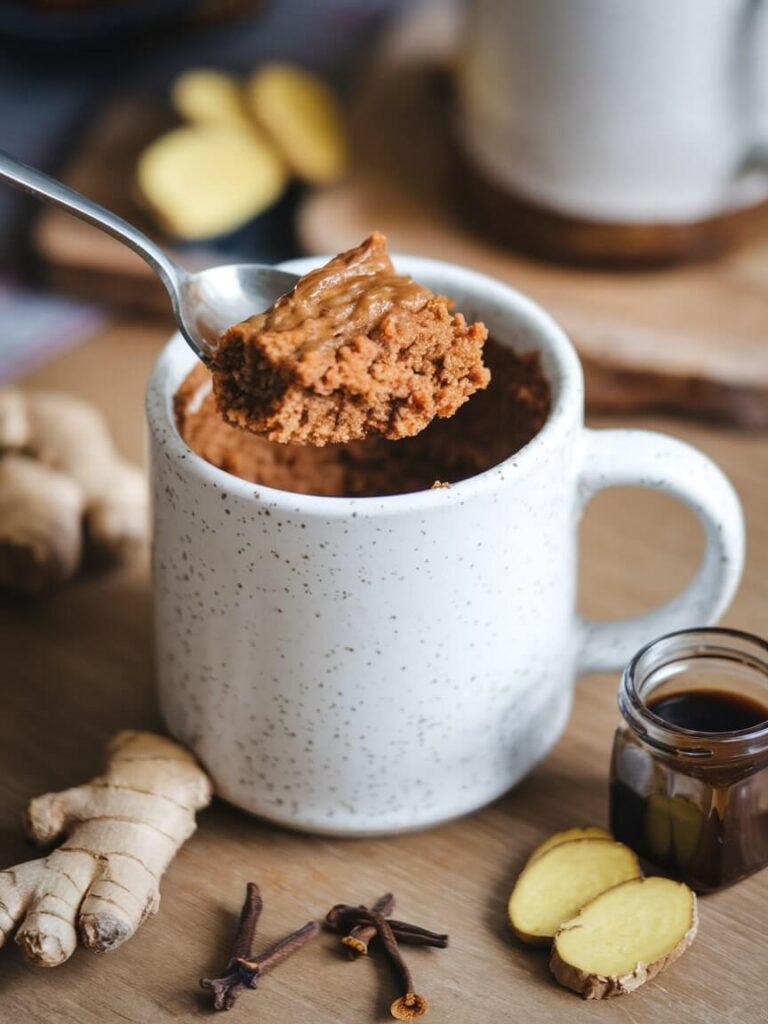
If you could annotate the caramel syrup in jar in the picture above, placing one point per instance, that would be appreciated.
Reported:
(709, 711)
(689, 775)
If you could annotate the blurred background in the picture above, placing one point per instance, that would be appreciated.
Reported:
(607, 159)
(75, 73)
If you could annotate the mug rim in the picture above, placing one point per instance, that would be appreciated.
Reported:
(563, 372)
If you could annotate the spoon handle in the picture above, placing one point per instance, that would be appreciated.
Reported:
(42, 186)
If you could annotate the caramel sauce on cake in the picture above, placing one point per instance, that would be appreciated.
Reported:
(354, 350)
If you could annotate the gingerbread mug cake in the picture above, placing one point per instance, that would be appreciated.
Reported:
(350, 649)
(355, 349)
(310, 395)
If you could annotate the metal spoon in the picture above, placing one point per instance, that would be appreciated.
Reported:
(204, 304)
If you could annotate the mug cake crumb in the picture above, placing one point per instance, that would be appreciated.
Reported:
(490, 428)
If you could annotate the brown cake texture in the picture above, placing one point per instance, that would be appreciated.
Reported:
(354, 350)
(491, 427)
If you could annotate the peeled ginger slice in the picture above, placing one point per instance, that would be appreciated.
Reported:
(567, 836)
(625, 937)
(206, 96)
(300, 114)
(553, 888)
(207, 180)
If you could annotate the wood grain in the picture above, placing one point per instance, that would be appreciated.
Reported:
(78, 667)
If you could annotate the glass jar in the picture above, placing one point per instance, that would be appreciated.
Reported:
(689, 785)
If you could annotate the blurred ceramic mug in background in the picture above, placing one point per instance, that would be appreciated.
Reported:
(635, 113)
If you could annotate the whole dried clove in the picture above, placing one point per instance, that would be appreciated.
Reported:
(279, 951)
(228, 986)
(416, 936)
(361, 934)
(359, 926)
(410, 1005)
(242, 970)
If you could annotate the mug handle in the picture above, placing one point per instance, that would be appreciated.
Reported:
(642, 458)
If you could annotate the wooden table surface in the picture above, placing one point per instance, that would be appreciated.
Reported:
(78, 667)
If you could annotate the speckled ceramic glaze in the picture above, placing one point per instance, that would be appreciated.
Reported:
(379, 664)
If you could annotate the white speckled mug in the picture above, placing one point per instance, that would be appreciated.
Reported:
(370, 665)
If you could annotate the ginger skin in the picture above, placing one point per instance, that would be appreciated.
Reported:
(625, 937)
(40, 525)
(68, 438)
(123, 828)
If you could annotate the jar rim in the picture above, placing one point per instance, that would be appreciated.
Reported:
(729, 744)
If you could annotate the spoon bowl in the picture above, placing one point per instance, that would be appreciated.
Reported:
(205, 303)
(210, 301)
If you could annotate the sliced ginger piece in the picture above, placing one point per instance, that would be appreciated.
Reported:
(625, 937)
(300, 114)
(657, 826)
(553, 888)
(206, 96)
(687, 824)
(672, 828)
(207, 180)
(567, 836)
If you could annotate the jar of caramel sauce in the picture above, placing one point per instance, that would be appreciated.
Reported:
(689, 773)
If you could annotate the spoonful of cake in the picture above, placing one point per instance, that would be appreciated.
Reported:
(350, 350)
(204, 304)
(353, 350)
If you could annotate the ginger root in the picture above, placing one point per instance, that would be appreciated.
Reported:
(625, 937)
(40, 525)
(207, 96)
(123, 829)
(553, 887)
(300, 114)
(568, 835)
(672, 828)
(238, 146)
(62, 482)
(204, 180)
